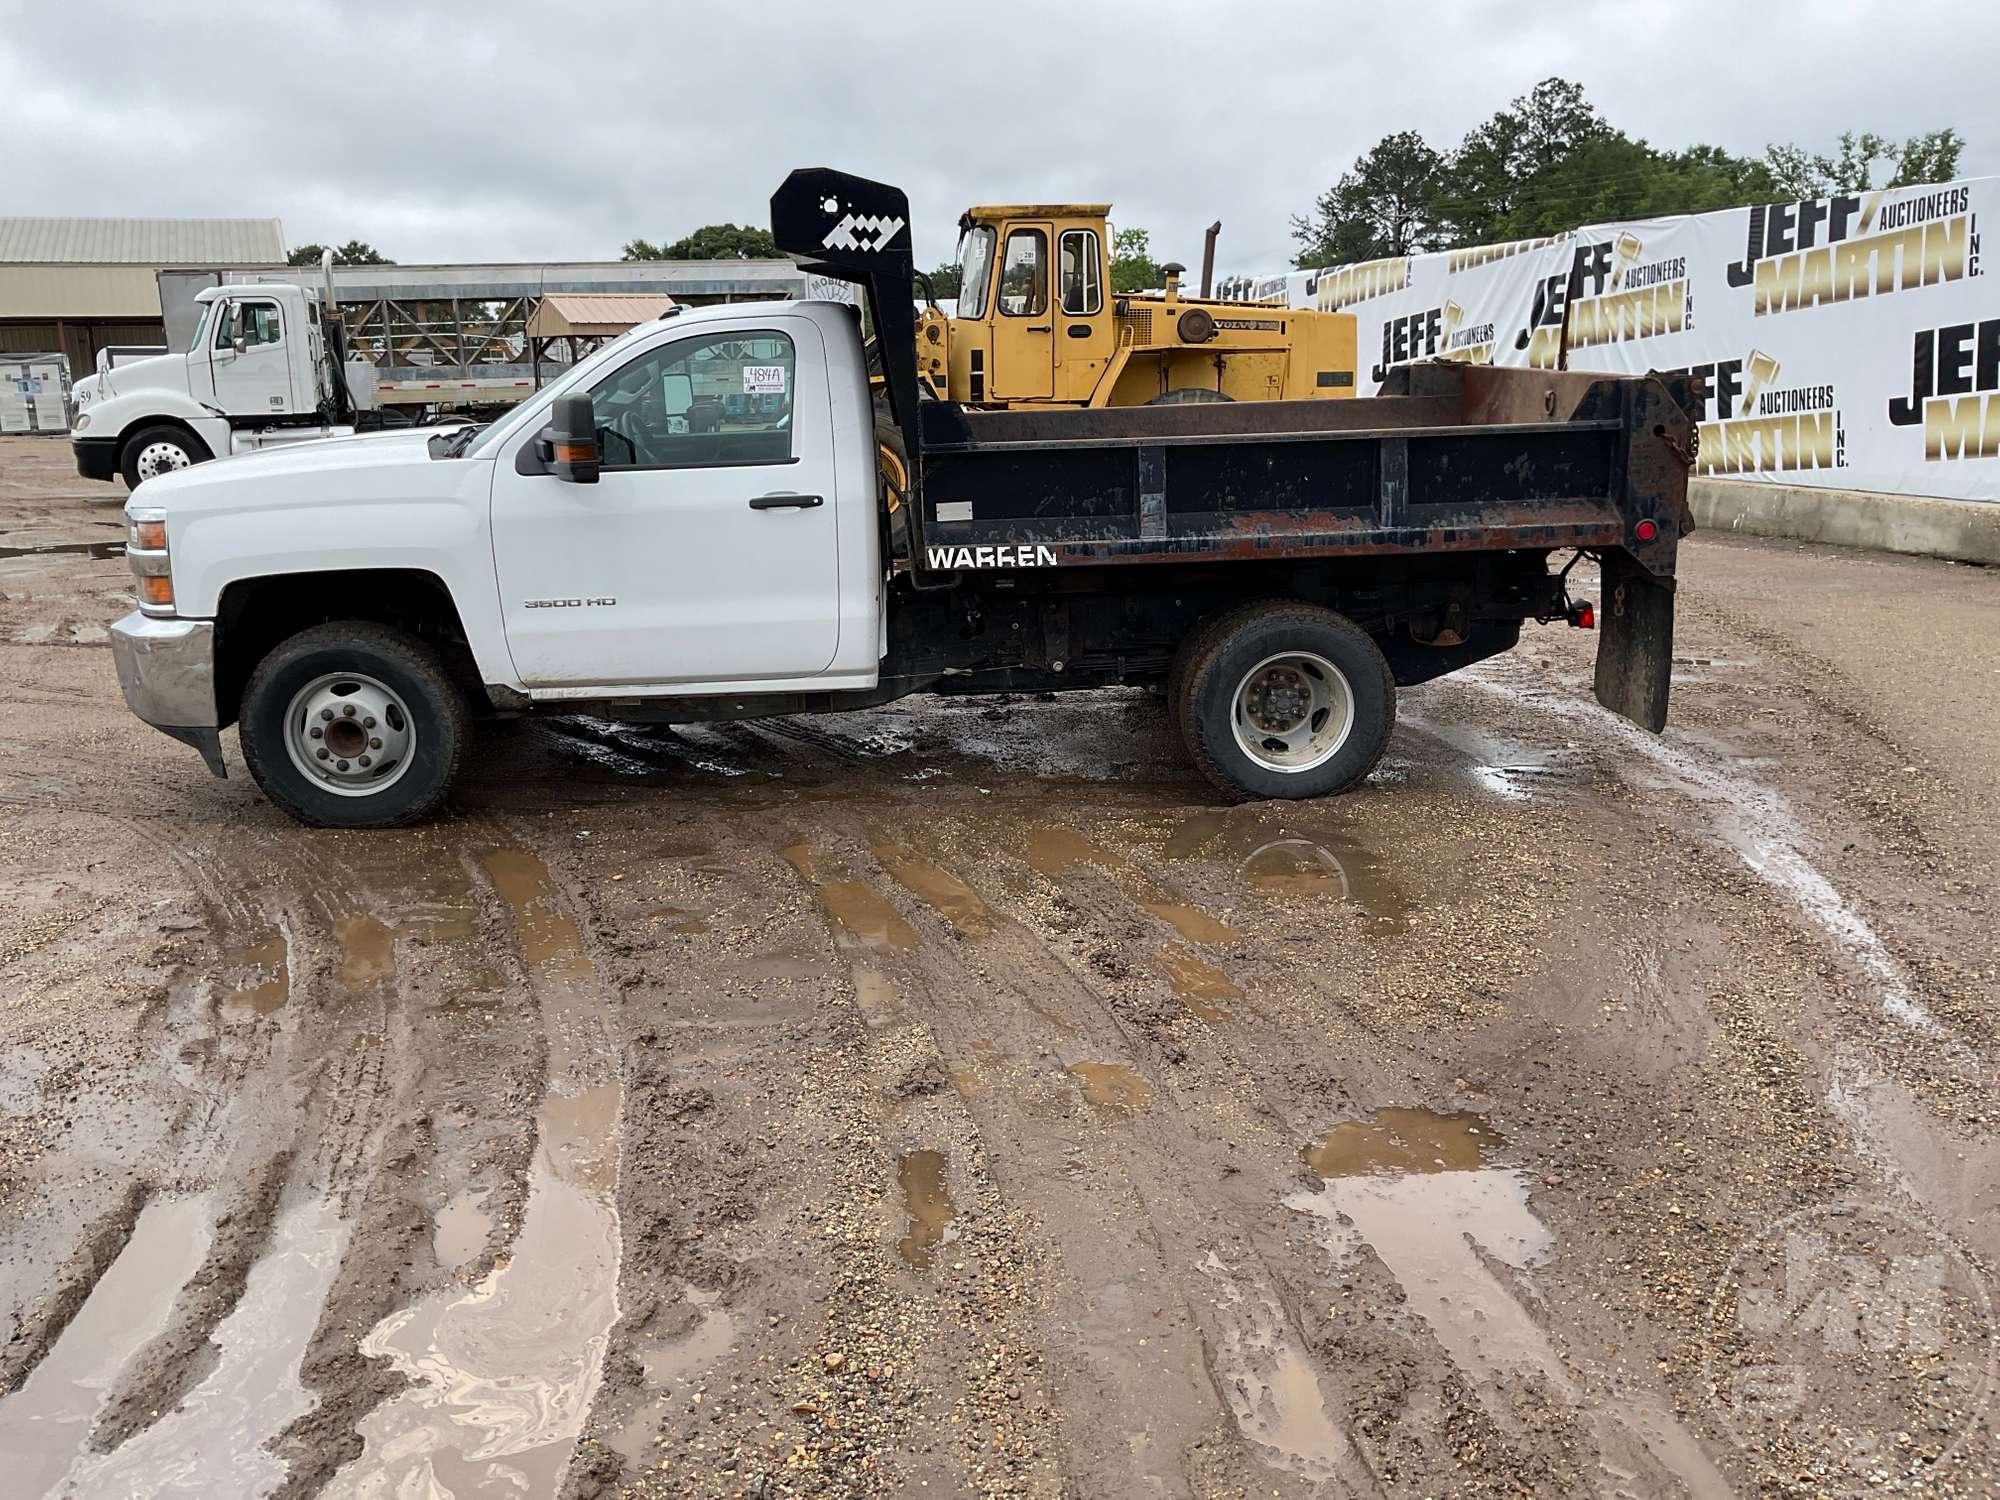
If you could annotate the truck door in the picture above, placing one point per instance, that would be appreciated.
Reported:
(1023, 325)
(250, 356)
(706, 551)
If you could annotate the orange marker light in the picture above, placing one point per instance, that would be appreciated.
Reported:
(156, 588)
(150, 536)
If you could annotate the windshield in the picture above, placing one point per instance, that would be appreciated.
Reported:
(975, 263)
(202, 310)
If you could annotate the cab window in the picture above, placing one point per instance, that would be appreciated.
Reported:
(699, 403)
(253, 322)
(1082, 277)
(1024, 280)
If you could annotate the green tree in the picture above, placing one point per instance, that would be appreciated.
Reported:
(1385, 205)
(710, 242)
(353, 253)
(1798, 173)
(1133, 268)
(945, 281)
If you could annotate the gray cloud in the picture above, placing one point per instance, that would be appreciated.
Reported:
(525, 131)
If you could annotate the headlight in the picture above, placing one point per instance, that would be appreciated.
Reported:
(146, 551)
(82, 420)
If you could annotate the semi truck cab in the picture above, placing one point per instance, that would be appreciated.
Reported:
(259, 371)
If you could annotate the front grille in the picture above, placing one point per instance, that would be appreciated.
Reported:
(1136, 327)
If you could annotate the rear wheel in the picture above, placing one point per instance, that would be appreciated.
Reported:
(354, 725)
(153, 451)
(1283, 699)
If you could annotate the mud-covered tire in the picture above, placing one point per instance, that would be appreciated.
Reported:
(156, 440)
(1323, 653)
(388, 661)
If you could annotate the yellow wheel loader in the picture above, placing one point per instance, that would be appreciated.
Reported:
(1038, 325)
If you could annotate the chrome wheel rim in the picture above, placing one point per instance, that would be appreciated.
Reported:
(1292, 712)
(156, 459)
(350, 734)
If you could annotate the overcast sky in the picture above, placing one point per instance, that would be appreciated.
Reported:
(526, 131)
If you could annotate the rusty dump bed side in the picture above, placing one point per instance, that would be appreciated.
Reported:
(1451, 458)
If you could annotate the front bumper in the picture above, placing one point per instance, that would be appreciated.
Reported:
(166, 669)
(96, 458)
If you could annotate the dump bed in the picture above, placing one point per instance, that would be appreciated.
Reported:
(1458, 458)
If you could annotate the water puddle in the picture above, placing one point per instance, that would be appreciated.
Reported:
(865, 915)
(1113, 1087)
(672, 1363)
(1200, 987)
(1285, 859)
(1404, 1140)
(98, 550)
(875, 996)
(1269, 1381)
(1418, 1189)
(927, 1197)
(44, 1424)
(367, 951)
(1053, 849)
(214, 1442)
(953, 898)
(262, 977)
(1194, 925)
(463, 1228)
(502, 1374)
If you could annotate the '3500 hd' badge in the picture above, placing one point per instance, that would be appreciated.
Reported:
(604, 601)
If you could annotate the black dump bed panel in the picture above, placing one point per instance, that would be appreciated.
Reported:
(1473, 459)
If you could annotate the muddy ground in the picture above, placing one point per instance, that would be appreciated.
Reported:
(951, 1099)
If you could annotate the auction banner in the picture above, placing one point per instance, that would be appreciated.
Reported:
(1850, 342)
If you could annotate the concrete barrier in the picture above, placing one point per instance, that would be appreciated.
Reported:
(1963, 530)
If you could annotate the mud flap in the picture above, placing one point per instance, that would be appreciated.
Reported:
(1635, 648)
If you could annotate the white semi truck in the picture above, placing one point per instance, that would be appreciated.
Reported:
(699, 522)
(267, 366)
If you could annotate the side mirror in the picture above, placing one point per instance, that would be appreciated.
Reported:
(569, 442)
(239, 345)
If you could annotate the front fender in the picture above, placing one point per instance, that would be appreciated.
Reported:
(121, 415)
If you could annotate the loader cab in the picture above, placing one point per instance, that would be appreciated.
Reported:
(1034, 320)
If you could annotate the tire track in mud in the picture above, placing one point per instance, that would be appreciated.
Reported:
(315, 999)
(1051, 1054)
(502, 1375)
(1218, 1270)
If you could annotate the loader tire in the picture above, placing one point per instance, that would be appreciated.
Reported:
(354, 725)
(1284, 700)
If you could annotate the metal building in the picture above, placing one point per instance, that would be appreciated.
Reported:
(75, 286)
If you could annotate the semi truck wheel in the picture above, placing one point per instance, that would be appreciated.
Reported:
(354, 725)
(153, 451)
(1283, 699)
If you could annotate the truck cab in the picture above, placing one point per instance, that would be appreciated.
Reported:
(258, 371)
(1037, 324)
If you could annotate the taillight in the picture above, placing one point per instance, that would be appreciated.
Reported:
(1645, 531)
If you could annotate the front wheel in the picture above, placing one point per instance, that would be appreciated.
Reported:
(354, 725)
(1283, 699)
(154, 451)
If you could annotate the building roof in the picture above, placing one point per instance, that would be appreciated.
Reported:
(593, 313)
(142, 242)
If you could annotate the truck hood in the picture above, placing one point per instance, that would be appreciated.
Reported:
(163, 372)
(320, 462)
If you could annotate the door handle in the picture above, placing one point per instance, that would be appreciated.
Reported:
(1038, 328)
(782, 502)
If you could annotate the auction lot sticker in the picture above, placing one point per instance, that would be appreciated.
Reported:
(1851, 1347)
